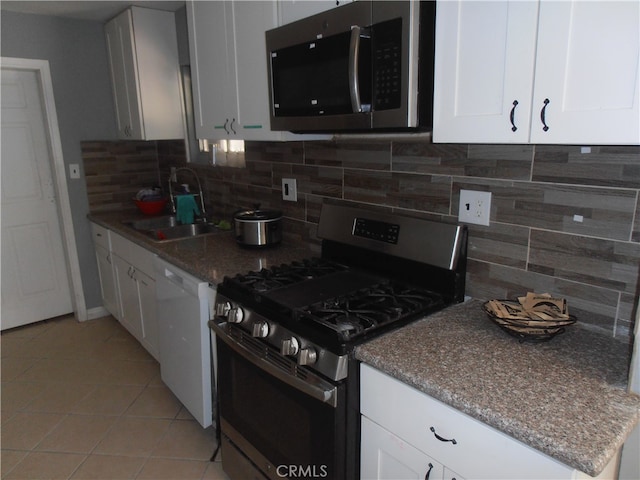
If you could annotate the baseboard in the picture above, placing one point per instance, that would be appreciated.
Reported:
(97, 312)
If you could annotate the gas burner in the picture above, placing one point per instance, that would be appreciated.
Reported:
(269, 279)
(369, 308)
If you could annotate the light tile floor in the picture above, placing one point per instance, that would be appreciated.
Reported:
(85, 401)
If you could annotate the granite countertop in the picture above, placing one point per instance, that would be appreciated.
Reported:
(208, 257)
(566, 397)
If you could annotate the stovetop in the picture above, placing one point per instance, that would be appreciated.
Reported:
(370, 308)
(321, 298)
(270, 279)
(377, 272)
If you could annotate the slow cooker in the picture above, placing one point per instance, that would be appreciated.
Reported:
(258, 227)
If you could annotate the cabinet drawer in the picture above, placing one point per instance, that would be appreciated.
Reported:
(479, 450)
(385, 456)
(101, 236)
(139, 257)
(143, 259)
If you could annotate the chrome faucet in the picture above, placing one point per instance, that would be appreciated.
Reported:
(173, 178)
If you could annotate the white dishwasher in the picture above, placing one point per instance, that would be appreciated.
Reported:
(185, 345)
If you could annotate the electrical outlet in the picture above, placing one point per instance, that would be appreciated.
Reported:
(74, 171)
(475, 207)
(289, 189)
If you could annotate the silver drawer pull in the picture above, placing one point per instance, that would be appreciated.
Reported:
(442, 439)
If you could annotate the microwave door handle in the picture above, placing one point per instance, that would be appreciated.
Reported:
(354, 54)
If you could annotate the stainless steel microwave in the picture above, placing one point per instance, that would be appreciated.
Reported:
(367, 65)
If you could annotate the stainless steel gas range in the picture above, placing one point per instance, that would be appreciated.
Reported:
(288, 386)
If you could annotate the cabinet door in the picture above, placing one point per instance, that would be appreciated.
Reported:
(158, 75)
(429, 425)
(484, 68)
(124, 72)
(129, 300)
(107, 281)
(252, 20)
(385, 456)
(449, 475)
(212, 53)
(587, 69)
(147, 297)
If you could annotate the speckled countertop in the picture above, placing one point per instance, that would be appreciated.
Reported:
(566, 397)
(209, 257)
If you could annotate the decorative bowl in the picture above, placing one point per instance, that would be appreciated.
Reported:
(526, 328)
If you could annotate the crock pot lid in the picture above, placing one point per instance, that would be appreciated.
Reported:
(258, 214)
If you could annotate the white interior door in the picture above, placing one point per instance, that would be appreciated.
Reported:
(35, 281)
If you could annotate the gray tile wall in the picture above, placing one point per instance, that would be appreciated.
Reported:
(539, 194)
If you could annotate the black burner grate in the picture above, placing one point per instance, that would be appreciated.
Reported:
(370, 308)
(269, 279)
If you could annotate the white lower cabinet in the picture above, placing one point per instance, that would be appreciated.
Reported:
(386, 456)
(409, 435)
(106, 270)
(137, 291)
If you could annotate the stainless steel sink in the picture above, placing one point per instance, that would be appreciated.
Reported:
(163, 229)
(153, 223)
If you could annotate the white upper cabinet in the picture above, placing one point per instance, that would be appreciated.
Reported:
(485, 54)
(252, 20)
(212, 52)
(587, 68)
(143, 57)
(292, 10)
(229, 68)
(505, 71)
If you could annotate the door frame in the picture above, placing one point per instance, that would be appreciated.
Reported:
(58, 170)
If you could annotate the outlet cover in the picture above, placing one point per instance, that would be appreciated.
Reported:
(475, 207)
(74, 171)
(289, 190)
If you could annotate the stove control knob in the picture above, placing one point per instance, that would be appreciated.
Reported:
(236, 315)
(260, 329)
(290, 347)
(222, 309)
(307, 356)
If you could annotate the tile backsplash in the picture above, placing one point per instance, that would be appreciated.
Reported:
(564, 219)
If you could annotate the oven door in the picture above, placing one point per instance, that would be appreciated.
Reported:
(287, 427)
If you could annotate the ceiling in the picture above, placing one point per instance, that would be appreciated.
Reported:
(100, 11)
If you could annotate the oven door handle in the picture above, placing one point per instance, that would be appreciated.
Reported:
(321, 390)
